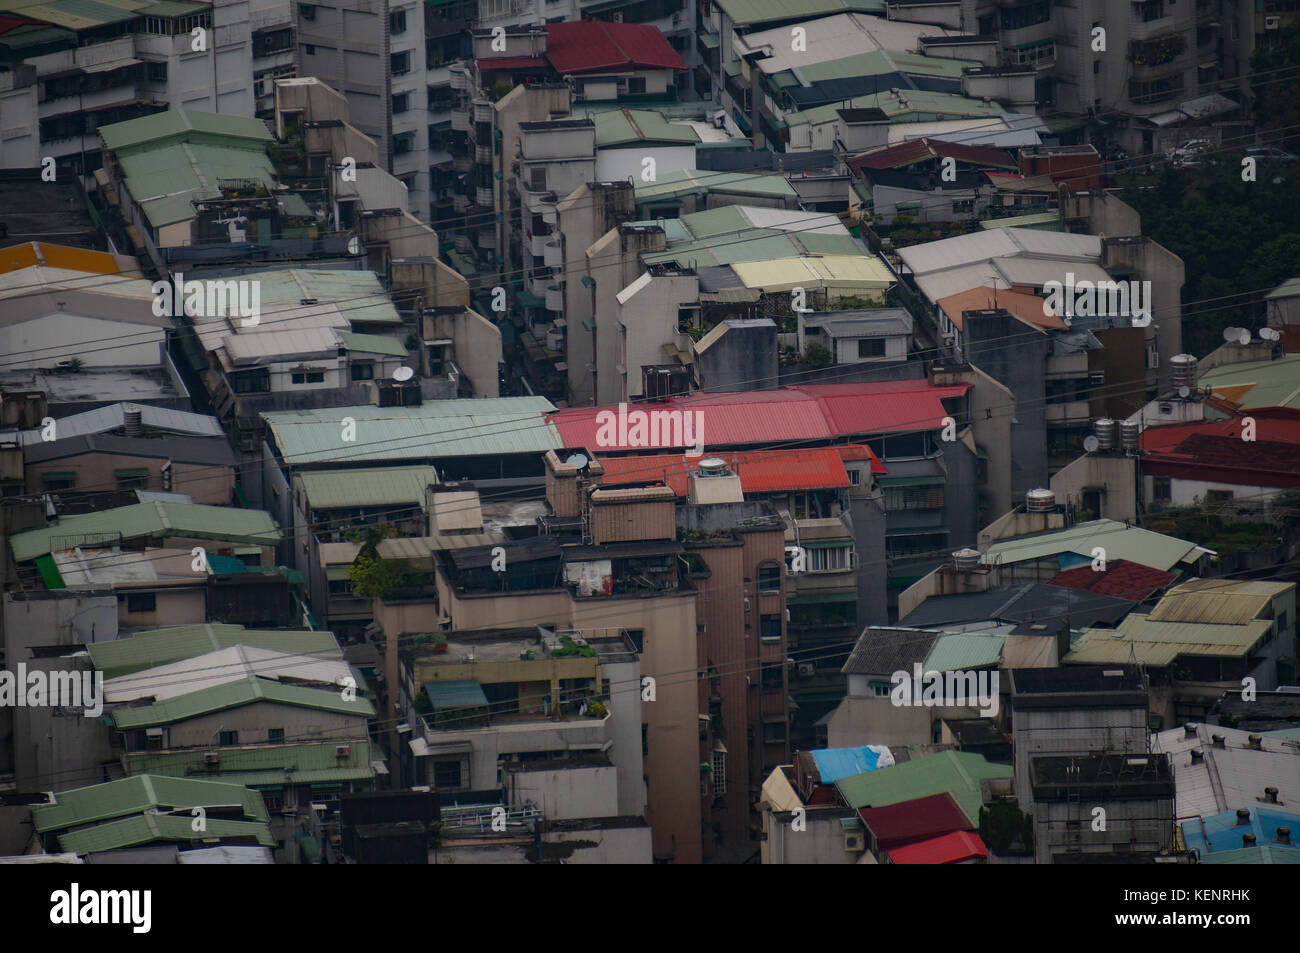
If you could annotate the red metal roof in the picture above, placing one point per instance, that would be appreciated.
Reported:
(949, 849)
(860, 451)
(919, 150)
(1123, 579)
(760, 471)
(912, 821)
(811, 412)
(1216, 451)
(595, 46)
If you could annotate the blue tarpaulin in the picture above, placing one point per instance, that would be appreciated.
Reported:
(836, 763)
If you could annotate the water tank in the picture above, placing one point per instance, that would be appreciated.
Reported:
(1106, 432)
(134, 428)
(555, 339)
(1040, 501)
(965, 559)
(713, 466)
(1182, 370)
(1129, 432)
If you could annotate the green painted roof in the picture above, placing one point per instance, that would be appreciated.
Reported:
(1118, 539)
(922, 106)
(688, 181)
(147, 828)
(1269, 383)
(155, 520)
(246, 691)
(144, 792)
(177, 643)
(181, 124)
(958, 651)
(637, 127)
(360, 294)
(488, 426)
(373, 344)
(263, 765)
(748, 12)
(954, 772)
(753, 244)
(1046, 221)
(1287, 289)
(380, 486)
(85, 14)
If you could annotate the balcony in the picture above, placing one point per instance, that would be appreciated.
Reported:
(483, 197)
(459, 79)
(537, 245)
(554, 254)
(462, 164)
(555, 297)
(483, 111)
(517, 733)
(483, 155)
(460, 119)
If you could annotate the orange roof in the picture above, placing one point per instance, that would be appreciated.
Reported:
(29, 254)
(760, 471)
(1029, 308)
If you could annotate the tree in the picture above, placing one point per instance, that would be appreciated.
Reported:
(1275, 82)
(816, 355)
(373, 577)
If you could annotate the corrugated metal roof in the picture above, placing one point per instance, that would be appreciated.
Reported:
(831, 271)
(45, 254)
(1003, 243)
(436, 429)
(952, 772)
(147, 828)
(949, 849)
(361, 293)
(882, 650)
(897, 825)
(113, 417)
(135, 795)
(373, 486)
(163, 646)
(586, 46)
(165, 179)
(1121, 578)
(1218, 601)
(1160, 643)
(1119, 540)
(685, 182)
(964, 650)
(621, 127)
(223, 666)
(263, 765)
(153, 520)
(463, 693)
(760, 471)
(373, 344)
(1231, 777)
(454, 510)
(235, 694)
(1223, 831)
(181, 123)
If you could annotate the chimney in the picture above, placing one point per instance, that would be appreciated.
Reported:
(1218, 741)
(1256, 742)
(1189, 730)
(1270, 795)
(1284, 835)
(1243, 817)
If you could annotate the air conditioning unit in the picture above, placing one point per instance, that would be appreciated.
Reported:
(1272, 23)
(855, 841)
(807, 669)
(212, 757)
(342, 751)
(616, 17)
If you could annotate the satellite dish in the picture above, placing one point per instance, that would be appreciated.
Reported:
(1232, 335)
(403, 373)
(1243, 337)
(578, 460)
(1184, 391)
(1269, 334)
(1090, 444)
(354, 245)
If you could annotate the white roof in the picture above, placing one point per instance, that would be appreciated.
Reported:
(21, 281)
(301, 342)
(1230, 777)
(794, 220)
(219, 668)
(99, 567)
(113, 417)
(275, 320)
(1004, 243)
(630, 291)
(834, 38)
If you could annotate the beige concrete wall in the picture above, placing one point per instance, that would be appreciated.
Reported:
(206, 484)
(1114, 475)
(173, 607)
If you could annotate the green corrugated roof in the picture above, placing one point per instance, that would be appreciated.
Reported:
(181, 124)
(488, 426)
(749, 12)
(155, 520)
(359, 294)
(177, 643)
(627, 127)
(380, 486)
(688, 181)
(922, 105)
(959, 651)
(373, 344)
(463, 693)
(1118, 539)
(85, 14)
(1045, 221)
(953, 772)
(1160, 643)
(246, 691)
(147, 828)
(262, 765)
(144, 792)
(1269, 383)
(1287, 289)
(167, 178)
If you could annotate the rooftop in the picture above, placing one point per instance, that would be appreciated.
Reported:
(262, 765)
(1224, 832)
(925, 148)
(760, 471)
(83, 15)
(221, 667)
(909, 822)
(198, 451)
(672, 185)
(1257, 384)
(951, 848)
(626, 127)
(1214, 451)
(112, 417)
(598, 46)
(1228, 602)
(1024, 603)
(835, 763)
(948, 772)
(1078, 686)
(140, 794)
(1119, 540)
(1096, 778)
(745, 13)
(148, 828)
(1121, 578)
(1159, 643)
(246, 691)
(157, 647)
(371, 486)
(1231, 777)
(148, 521)
(1027, 308)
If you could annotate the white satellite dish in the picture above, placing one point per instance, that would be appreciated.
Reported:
(403, 373)
(578, 460)
(1269, 334)
(1184, 391)
(1090, 444)
(1232, 335)
(354, 245)
(1243, 337)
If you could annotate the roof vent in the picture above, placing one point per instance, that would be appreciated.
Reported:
(1284, 835)
(1218, 741)
(1243, 817)
(1256, 742)
(1198, 756)
(131, 416)
(1040, 501)
(1270, 795)
(1189, 730)
(1247, 840)
(713, 466)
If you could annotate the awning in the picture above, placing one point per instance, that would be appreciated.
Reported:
(913, 481)
(917, 531)
(821, 598)
(112, 65)
(49, 572)
(710, 41)
(131, 472)
(464, 693)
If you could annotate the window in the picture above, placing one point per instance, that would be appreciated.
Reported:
(309, 49)
(363, 372)
(59, 481)
(769, 579)
(250, 382)
(855, 477)
(274, 735)
(537, 178)
(446, 774)
(157, 72)
(307, 11)
(1152, 10)
(879, 689)
(916, 497)
(645, 740)
(769, 628)
(871, 347)
(401, 102)
(773, 732)
(134, 479)
(719, 773)
(1161, 489)
(340, 587)
(308, 377)
(638, 639)
(1218, 496)
(142, 602)
(401, 63)
(227, 738)
(830, 558)
(274, 800)
(397, 22)
(636, 86)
